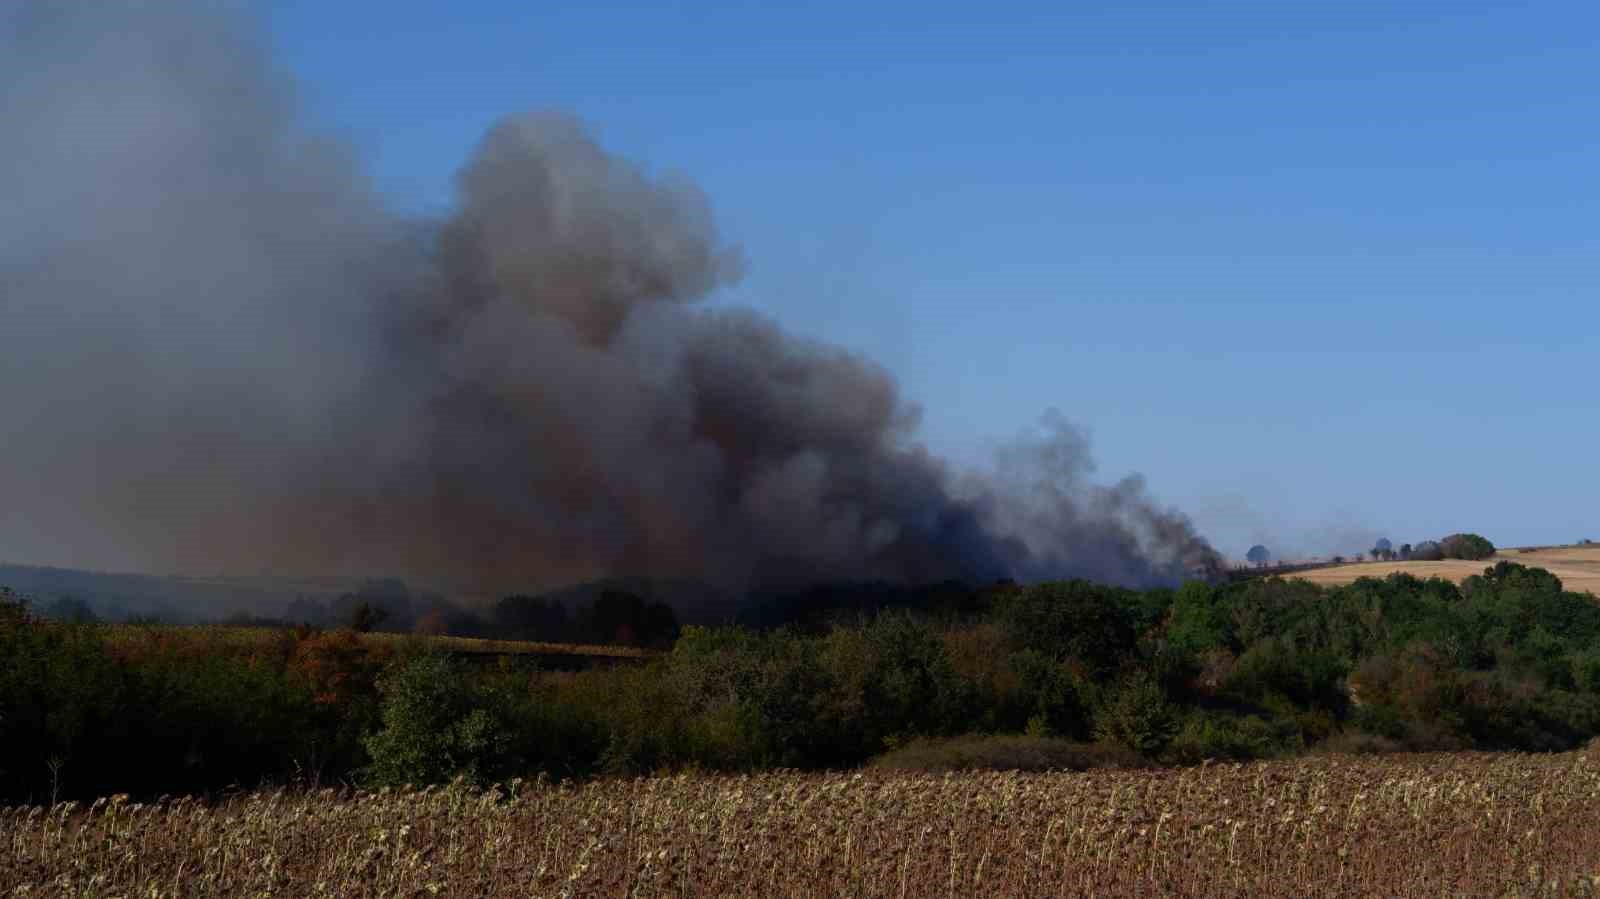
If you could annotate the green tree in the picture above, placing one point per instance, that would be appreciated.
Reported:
(1198, 620)
(1427, 551)
(1466, 546)
(1139, 716)
(434, 727)
(1092, 623)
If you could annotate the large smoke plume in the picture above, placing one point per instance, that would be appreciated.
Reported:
(220, 351)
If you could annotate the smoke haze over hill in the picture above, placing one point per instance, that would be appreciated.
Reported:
(222, 351)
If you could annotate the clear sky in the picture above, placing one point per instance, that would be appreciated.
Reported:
(1321, 271)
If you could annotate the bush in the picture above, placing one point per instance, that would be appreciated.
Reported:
(205, 718)
(59, 693)
(1210, 735)
(435, 728)
(82, 716)
(1138, 717)
(340, 669)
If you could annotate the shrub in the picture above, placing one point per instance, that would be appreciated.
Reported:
(204, 717)
(434, 727)
(58, 693)
(1138, 717)
(340, 669)
(1211, 735)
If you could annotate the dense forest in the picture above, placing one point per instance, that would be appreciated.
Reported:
(831, 678)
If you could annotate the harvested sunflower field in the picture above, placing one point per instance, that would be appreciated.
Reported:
(1461, 824)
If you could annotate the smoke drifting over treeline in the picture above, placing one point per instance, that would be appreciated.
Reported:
(221, 351)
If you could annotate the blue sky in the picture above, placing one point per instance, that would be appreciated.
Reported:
(1321, 271)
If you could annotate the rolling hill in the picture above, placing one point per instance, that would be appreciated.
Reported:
(1578, 567)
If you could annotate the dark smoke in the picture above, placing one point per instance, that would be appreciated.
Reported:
(222, 352)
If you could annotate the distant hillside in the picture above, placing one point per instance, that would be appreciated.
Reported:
(117, 596)
(191, 600)
(1578, 567)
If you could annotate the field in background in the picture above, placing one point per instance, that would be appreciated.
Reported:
(1464, 824)
(246, 639)
(1578, 567)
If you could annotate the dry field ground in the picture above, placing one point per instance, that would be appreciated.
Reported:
(1396, 826)
(1577, 566)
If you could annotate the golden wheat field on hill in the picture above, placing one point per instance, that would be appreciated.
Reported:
(1578, 567)
(1463, 824)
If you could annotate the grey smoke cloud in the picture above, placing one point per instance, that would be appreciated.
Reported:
(221, 351)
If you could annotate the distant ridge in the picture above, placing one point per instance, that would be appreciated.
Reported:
(176, 598)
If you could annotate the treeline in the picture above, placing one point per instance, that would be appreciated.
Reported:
(613, 617)
(598, 613)
(1268, 667)
(1470, 547)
